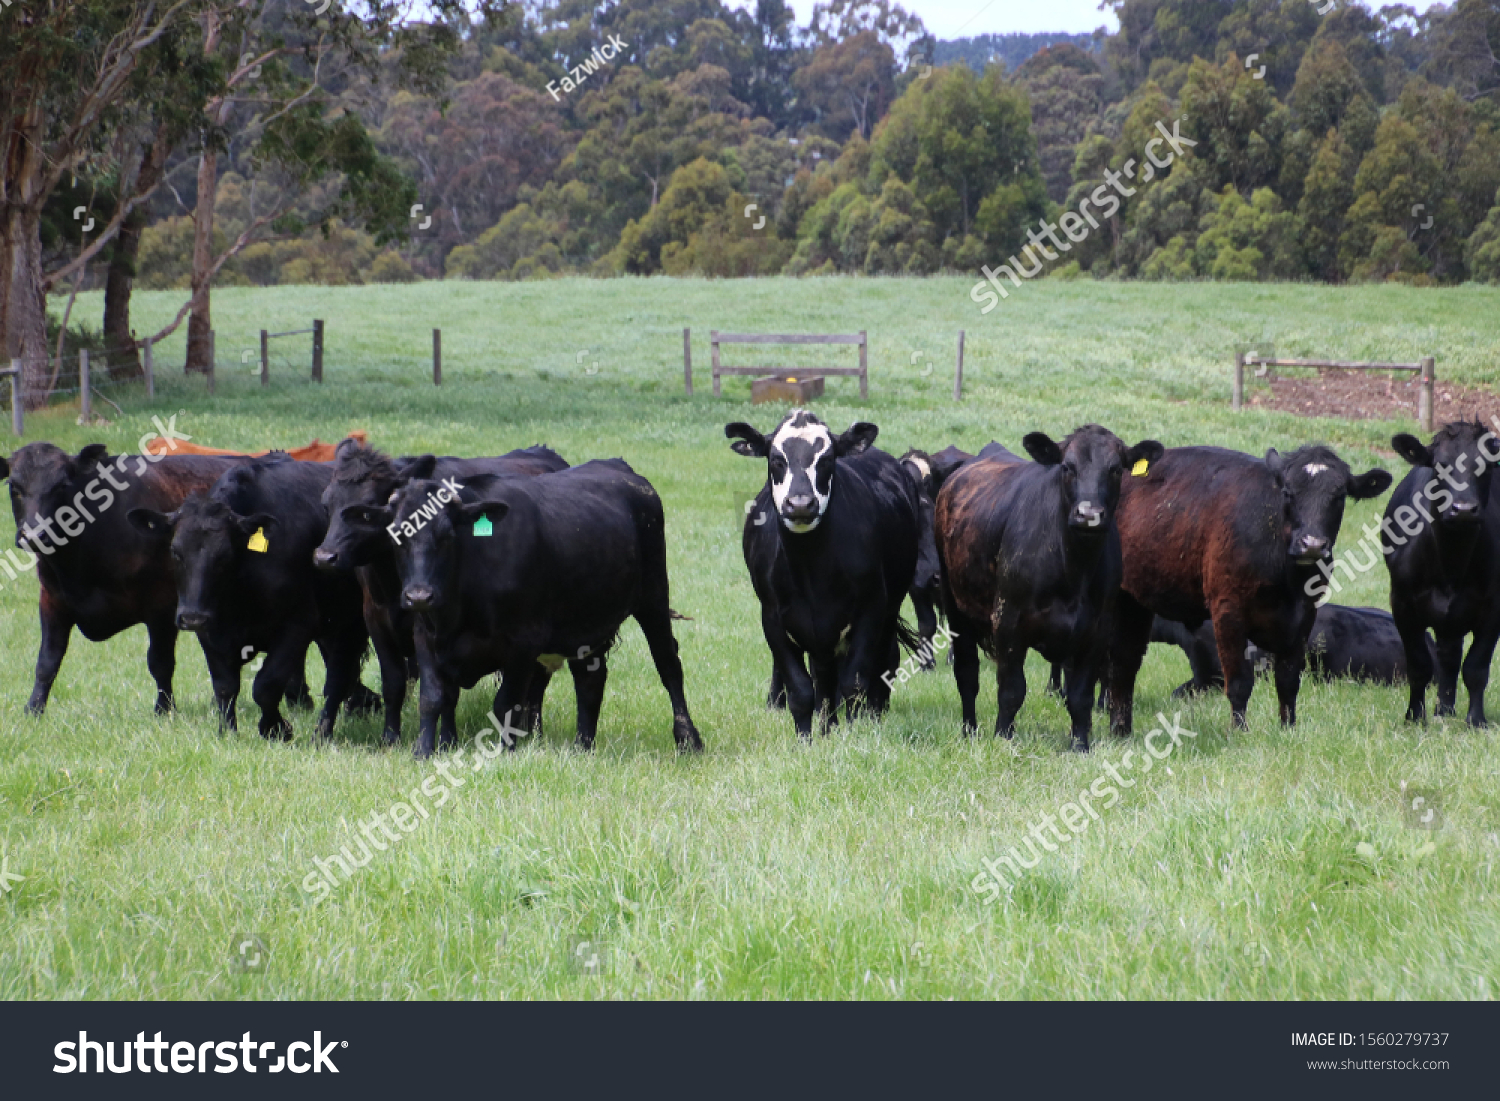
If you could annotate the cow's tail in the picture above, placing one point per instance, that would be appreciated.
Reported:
(910, 640)
(674, 614)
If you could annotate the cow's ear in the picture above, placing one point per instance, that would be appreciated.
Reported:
(856, 440)
(366, 517)
(1372, 483)
(1149, 450)
(1042, 448)
(147, 521)
(495, 510)
(1274, 462)
(347, 446)
(747, 441)
(261, 521)
(1412, 449)
(91, 456)
(418, 469)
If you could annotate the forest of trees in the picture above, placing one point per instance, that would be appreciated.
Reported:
(216, 143)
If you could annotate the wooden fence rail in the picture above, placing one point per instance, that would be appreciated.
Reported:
(1426, 371)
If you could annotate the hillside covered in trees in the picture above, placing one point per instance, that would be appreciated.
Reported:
(268, 145)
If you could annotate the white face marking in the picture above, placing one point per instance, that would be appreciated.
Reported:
(1313, 469)
(922, 467)
(819, 439)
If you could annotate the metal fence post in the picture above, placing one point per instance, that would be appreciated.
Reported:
(437, 357)
(317, 367)
(687, 360)
(85, 398)
(265, 359)
(864, 367)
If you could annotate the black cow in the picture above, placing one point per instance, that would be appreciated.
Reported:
(530, 572)
(1031, 560)
(1212, 533)
(367, 477)
(1346, 643)
(831, 545)
(98, 573)
(1445, 563)
(246, 584)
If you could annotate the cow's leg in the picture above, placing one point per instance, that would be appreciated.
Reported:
(161, 659)
(826, 692)
(589, 675)
(269, 687)
(797, 684)
(927, 626)
(1081, 679)
(871, 649)
(432, 694)
(392, 685)
(224, 673)
(1418, 661)
(297, 693)
(1010, 689)
(656, 625)
(448, 724)
(1055, 680)
(536, 694)
(1477, 669)
(966, 671)
(776, 697)
(1127, 648)
(1288, 682)
(512, 705)
(1239, 673)
(1450, 657)
(341, 656)
(57, 627)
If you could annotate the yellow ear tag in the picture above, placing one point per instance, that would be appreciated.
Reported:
(484, 526)
(1139, 469)
(258, 542)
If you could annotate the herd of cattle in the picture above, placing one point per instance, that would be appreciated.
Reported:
(455, 569)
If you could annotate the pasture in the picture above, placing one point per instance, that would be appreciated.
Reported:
(1269, 863)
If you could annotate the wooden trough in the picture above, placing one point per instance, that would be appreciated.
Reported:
(795, 389)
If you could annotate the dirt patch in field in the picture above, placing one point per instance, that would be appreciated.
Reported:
(1369, 395)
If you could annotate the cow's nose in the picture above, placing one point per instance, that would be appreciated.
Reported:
(1463, 510)
(416, 598)
(324, 559)
(191, 621)
(1310, 546)
(1087, 514)
(799, 503)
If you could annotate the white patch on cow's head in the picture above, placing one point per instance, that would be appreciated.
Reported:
(1312, 469)
(922, 468)
(800, 442)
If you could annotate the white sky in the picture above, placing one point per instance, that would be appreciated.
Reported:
(964, 18)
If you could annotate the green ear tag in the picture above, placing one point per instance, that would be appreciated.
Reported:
(483, 526)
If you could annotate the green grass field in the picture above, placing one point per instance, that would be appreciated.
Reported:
(1265, 864)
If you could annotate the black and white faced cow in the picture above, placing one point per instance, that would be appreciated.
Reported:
(1441, 534)
(831, 544)
(1031, 560)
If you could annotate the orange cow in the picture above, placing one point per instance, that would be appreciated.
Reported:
(315, 452)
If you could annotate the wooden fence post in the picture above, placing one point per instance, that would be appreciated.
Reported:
(265, 358)
(864, 367)
(687, 360)
(437, 357)
(1425, 412)
(317, 368)
(211, 361)
(17, 409)
(1239, 381)
(713, 338)
(85, 395)
(150, 371)
(958, 371)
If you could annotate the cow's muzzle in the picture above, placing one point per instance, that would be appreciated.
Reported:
(1087, 516)
(1461, 512)
(1308, 548)
(416, 598)
(191, 621)
(325, 559)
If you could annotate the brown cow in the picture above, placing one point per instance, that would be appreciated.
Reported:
(315, 452)
(1209, 533)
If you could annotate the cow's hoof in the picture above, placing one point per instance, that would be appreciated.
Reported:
(38, 710)
(1080, 745)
